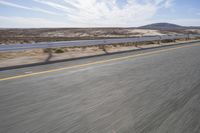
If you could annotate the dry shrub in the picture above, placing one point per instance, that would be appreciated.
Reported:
(167, 41)
(59, 51)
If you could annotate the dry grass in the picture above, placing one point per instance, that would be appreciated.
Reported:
(40, 55)
(13, 36)
(39, 52)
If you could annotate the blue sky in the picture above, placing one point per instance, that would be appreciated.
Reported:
(97, 13)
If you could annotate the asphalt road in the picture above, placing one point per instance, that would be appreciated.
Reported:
(150, 93)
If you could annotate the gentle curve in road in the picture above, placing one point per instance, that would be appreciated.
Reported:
(158, 93)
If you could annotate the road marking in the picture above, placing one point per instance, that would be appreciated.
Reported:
(94, 63)
(28, 72)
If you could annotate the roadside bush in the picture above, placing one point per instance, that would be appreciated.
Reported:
(58, 51)
(167, 41)
(46, 50)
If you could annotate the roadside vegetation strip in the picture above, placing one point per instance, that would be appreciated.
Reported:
(95, 63)
(46, 56)
(82, 43)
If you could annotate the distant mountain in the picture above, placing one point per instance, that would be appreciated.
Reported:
(193, 27)
(162, 26)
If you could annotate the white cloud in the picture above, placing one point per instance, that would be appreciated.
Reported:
(55, 5)
(27, 8)
(91, 13)
(168, 3)
(88, 13)
(21, 22)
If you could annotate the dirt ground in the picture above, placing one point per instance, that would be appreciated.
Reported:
(40, 55)
(13, 36)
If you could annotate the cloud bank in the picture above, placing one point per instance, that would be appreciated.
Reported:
(89, 13)
(107, 12)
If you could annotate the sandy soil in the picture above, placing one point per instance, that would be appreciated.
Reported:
(13, 36)
(36, 56)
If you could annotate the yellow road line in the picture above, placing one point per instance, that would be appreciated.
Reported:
(93, 63)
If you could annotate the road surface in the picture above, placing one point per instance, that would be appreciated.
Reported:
(157, 91)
